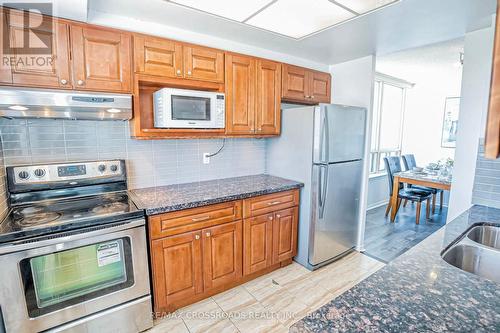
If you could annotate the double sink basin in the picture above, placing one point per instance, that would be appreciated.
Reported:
(477, 252)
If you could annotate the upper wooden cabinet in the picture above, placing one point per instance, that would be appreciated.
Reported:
(301, 85)
(203, 64)
(253, 101)
(492, 138)
(101, 59)
(49, 70)
(157, 56)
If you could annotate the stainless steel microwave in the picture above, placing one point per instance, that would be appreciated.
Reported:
(180, 108)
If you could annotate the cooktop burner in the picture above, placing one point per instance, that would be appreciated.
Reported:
(57, 215)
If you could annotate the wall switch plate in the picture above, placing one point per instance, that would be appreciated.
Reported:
(206, 158)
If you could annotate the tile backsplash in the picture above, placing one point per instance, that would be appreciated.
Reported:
(487, 180)
(149, 162)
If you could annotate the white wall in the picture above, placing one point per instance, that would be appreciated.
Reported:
(378, 192)
(473, 109)
(352, 84)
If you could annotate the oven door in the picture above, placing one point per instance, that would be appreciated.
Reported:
(65, 278)
(189, 109)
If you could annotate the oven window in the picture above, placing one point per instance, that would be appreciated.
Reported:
(190, 108)
(61, 279)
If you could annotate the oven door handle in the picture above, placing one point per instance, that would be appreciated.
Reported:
(69, 236)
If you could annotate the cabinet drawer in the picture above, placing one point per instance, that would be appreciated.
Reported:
(269, 203)
(193, 219)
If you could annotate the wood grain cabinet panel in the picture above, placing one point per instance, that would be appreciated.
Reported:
(492, 138)
(295, 83)
(101, 59)
(285, 234)
(204, 64)
(157, 56)
(240, 94)
(222, 254)
(177, 268)
(268, 114)
(269, 203)
(319, 85)
(257, 243)
(46, 70)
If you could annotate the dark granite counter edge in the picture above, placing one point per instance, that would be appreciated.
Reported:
(201, 203)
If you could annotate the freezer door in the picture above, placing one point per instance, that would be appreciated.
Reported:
(339, 133)
(335, 209)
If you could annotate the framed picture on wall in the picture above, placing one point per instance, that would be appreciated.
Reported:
(450, 122)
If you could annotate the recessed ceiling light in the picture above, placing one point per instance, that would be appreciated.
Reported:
(18, 107)
(238, 10)
(299, 18)
(363, 6)
(113, 110)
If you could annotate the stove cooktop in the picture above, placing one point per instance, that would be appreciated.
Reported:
(46, 217)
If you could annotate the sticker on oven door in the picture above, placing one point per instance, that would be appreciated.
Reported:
(108, 253)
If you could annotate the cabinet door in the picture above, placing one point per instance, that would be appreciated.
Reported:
(222, 254)
(257, 243)
(177, 268)
(285, 234)
(156, 56)
(240, 94)
(46, 70)
(295, 83)
(268, 105)
(320, 87)
(204, 64)
(101, 59)
(492, 139)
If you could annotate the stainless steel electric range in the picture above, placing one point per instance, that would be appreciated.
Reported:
(73, 251)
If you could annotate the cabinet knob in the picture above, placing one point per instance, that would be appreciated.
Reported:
(278, 215)
(189, 73)
(208, 234)
(259, 129)
(196, 236)
(312, 96)
(63, 81)
(80, 82)
(270, 218)
(307, 96)
(252, 129)
(178, 72)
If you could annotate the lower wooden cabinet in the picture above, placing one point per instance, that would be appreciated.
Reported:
(222, 254)
(196, 264)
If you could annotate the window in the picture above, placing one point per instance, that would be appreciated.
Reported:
(387, 121)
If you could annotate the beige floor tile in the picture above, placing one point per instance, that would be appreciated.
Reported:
(256, 319)
(289, 274)
(234, 299)
(286, 306)
(308, 291)
(205, 316)
(169, 325)
(262, 287)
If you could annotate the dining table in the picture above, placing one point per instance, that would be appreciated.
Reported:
(427, 178)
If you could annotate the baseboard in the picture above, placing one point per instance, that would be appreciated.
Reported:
(377, 205)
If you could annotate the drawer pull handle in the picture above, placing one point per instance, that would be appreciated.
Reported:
(196, 237)
(199, 219)
(208, 234)
(278, 215)
(272, 203)
(270, 218)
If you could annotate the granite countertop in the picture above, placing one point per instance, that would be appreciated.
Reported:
(162, 199)
(426, 176)
(417, 292)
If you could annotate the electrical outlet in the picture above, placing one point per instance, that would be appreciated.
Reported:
(206, 158)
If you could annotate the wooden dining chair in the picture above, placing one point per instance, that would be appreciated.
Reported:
(409, 163)
(392, 166)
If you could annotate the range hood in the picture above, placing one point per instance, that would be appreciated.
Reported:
(60, 104)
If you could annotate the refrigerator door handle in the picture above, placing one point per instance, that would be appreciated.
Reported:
(324, 146)
(323, 189)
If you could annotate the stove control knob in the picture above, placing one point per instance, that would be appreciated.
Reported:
(23, 175)
(101, 168)
(39, 173)
(114, 167)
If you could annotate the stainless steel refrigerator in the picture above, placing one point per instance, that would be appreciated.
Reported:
(322, 146)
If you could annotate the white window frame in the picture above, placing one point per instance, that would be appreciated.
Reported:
(377, 154)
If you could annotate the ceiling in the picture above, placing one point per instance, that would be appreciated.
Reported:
(403, 25)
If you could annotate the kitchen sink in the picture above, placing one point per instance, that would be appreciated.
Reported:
(477, 260)
(486, 235)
